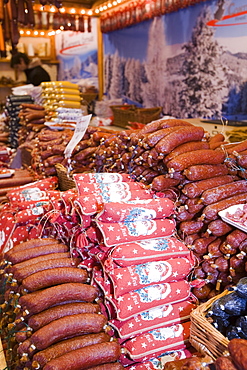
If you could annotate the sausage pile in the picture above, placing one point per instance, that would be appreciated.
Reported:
(50, 311)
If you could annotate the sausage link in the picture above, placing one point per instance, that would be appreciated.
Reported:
(217, 138)
(59, 349)
(21, 274)
(152, 139)
(55, 276)
(210, 212)
(185, 148)
(87, 357)
(32, 106)
(235, 238)
(181, 136)
(238, 147)
(66, 327)
(195, 189)
(23, 255)
(224, 191)
(203, 156)
(218, 228)
(31, 244)
(109, 366)
(205, 171)
(42, 299)
(35, 260)
(45, 317)
(200, 245)
(162, 182)
(193, 205)
(191, 227)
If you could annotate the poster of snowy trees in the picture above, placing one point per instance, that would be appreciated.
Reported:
(192, 62)
(78, 56)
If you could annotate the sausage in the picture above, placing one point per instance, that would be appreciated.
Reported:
(185, 148)
(45, 317)
(218, 228)
(35, 260)
(193, 205)
(87, 357)
(178, 137)
(195, 189)
(210, 212)
(109, 366)
(152, 139)
(21, 274)
(200, 245)
(191, 227)
(59, 349)
(224, 191)
(224, 363)
(238, 147)
(237, 348)
(203, 156)
(23, 255)
(23, 333)
(66, 327)
(205, 171)
(184, 215)
(162, 182)
(55, 276)
(31, 106)
(235, 238)
(50, 161)
(217, 138)
(84, 153)
(43, 299)
(31, 244)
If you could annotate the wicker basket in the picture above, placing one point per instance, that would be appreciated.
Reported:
(124, 114)
(203, 336)
(64, 181)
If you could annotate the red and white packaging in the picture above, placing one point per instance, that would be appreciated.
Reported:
(131, 231)
(156, 317)
(102, 177)
(157, 341)
(148, 209)
(92, 203)
(149, 250)
(141, 300)
(135, 277)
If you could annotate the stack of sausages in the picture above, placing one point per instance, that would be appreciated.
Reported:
(50, 311)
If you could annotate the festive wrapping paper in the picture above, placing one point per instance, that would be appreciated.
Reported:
(149, 250)
(32, 214)
(157, 341)
(68, 198)
(7, 227)
(93, 202)
(141, 300)
(148, 209)
(159, 362)
(134, 277)
(33, 191)
(131, 231)
(156, 317)
(20, 234)
(100, 178)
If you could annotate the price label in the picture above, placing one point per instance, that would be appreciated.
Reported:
(80, 129)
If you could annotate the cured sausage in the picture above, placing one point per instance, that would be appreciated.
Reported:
(203, 156)
(191, 227)
(218, 228)
(205, 171)
(55, 276)
(185, 148)
(21, 274)
(31, 244)
(152, 139)
(59, 349)
(45, 317)
(23, 255)
(224, 191)
(195, 189)
(210, 212)
(162, 182)
(87, 357)
(42, 299)
(178, 137)
(236, 237)
(66, 327)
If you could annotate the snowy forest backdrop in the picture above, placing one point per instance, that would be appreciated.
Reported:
(181, 63)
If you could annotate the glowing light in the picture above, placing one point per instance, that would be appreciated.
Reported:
(83, 11)
(26, 11)
(104, 7)
(90, 12)
(101, 9)
(36, 33)
(114, 3)
(42, 33)
(58, 31)
(21, 32)
(109, 5)
(72, 11)
(52, 9)
(61, 28)
(68, 24)
(28, 33)
(62, 10)
(96, 11)
(119, 1)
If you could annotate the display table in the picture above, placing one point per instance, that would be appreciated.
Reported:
(3, 364)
